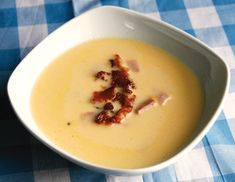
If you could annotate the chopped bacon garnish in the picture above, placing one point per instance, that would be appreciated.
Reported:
(102, 75)
(119, 79)
(108, 106)
(102, 117)
(133, 65)
(118, 76)
(116, 62)
(103, 96)
(146, 105)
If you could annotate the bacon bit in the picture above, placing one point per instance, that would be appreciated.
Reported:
(102, 75)
(119, 79)
(87, 114)
(125, 101)
(163, 98)
(102, 117)
(120, 115)
(103, 96)
(133, 65)
(127, 106)
(146, 105)
(116, 62)
(108, 106)
(118, 76)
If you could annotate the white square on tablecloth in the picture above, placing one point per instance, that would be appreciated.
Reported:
(154, 15)
(30, 36)
(193, 166)
(229, 110)
(231, 124)
(52, 175)
(204, 17)
(110, 178)
(227, 54)
(28, 3)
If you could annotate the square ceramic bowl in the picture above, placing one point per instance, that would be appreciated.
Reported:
(103, 22)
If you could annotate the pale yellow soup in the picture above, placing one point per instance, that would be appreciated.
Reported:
(63, 92)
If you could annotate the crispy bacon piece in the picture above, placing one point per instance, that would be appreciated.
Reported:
(108, 106)
(127, 106)
(103, 96)
(102, 117)
(116, 62)
(102, 75)
(120, 80)
(133, 65)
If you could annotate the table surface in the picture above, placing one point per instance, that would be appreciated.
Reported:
(24, 23)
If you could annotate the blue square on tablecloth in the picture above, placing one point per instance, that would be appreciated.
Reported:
(224, 156)
(197, 3)
(59, 12)
(55, 1)
(148, 6)
(163, 174)
(224, 178)
(24, 51)
(9, 59)
(179, 18)
(221, 116)
(169, 5)
(220, 133)
(31, 15)
(217, 178)
(9, 38)
(226, 14)
(229, 177)
(7, 4)
(53, 26)
(230, 31)
(18, 177)
(8, 17)
(223, 2)
(15, 159)
(209, 153)
(83, 6)
(191, 32)
(123, 3)
(213, 36)
(81, 174)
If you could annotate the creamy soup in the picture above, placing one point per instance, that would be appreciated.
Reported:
(61, 99)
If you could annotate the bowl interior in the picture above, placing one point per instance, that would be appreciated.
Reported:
(115, 22)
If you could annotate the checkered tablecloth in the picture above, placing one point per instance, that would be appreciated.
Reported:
(24, 23)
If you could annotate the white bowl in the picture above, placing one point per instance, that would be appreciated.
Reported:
(210, 69)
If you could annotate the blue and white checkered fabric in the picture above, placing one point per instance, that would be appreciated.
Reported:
(24, 23)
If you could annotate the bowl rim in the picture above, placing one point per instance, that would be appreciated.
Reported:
(135, 171)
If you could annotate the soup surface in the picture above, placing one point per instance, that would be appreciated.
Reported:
(62, 96)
